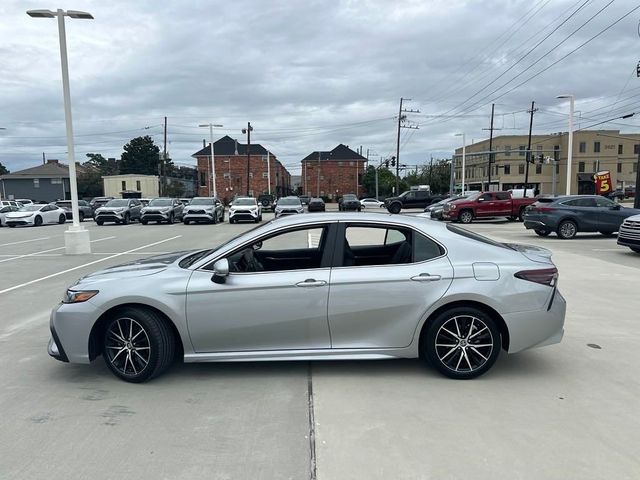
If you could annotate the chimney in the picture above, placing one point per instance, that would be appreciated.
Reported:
(204, 143)
(235, 152)
(52, 160)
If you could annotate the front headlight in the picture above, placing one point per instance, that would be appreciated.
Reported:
(78, 296)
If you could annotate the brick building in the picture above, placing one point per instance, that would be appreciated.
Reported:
(231, 170)
(333, 173)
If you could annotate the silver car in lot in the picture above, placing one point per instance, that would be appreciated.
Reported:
(288, 206)
(245, 208)
(203, 209)
(162, 210)
(119, 210)
(317, 287)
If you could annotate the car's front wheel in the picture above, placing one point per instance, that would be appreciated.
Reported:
(62, 219)
(395, 208)
(462, 343)
(542, 233)
(466, 216)
(138, 345)
(634, 249)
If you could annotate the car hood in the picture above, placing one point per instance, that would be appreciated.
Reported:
(138, 268)
(111, 209)
(533, 253)
(198, 207)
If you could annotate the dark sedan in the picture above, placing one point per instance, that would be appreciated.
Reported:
(316, 205)
(567, 215)
(349, 202)
(84, 209)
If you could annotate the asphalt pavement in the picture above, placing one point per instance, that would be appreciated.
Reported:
(564, 411)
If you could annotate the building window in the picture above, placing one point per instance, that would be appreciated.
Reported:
(619, 168)
(581, 167)
(635, 167)
(265, 174)
(56, 181)
(636, 149)
(264, 158)
(557, 168)
(351, 164)
(138, 185)
(595, 166)
(203, 179)
(539, 148)
(124, 185)
(583, 147)
(321, 177)
(620, 149)
(340, 164)
(521, 150)
(507, 169)
(521, 169)
(36, 183)
(226, 175)
(507, 150)
(538, 168)
(250, 174)
(556, 152)
(596, 147)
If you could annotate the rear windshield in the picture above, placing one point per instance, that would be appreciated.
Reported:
(546, 200)
(474, 236)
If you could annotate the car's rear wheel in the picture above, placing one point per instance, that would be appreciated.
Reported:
(521, 214)
(462, 343)
(37, 221)
(567, 229)
(138, 345)
(543, 233)
(395, 208)
(466, 216)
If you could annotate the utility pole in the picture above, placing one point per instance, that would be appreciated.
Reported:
(164, 158)
(430, 170)
(401, 118)
(528, 153)
(491, 159)
(269, 172)
(319, 158)
(44, 161)
(248, 132)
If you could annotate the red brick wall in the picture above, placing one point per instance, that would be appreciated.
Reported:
(231, 176)
(336, 177)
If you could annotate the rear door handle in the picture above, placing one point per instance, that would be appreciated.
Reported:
(311, 282)
(425, 277)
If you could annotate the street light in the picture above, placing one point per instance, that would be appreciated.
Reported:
(213, 163)
(570, 146)
(76, 238)
(464, 155)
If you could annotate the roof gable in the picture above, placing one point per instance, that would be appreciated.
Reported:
(340, 153)
(52, 169)
(227, 146)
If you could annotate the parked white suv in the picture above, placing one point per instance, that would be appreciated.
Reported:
(245, 208)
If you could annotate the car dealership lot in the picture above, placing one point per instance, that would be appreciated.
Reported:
(567, 410)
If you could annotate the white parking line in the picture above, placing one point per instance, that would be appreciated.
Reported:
(16, 327)
(25, 241)
(15, 287)
(47, 251)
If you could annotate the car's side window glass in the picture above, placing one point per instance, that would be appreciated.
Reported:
(502, 196)
(376, 245)
(604, 202)
(486, 197)
(424, 248)
(586, 202)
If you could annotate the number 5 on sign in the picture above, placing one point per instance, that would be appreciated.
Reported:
(603, 182)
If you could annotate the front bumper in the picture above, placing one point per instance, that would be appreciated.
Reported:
(283, 213)
(155, 216)
(202, 216)
(243, 215)
(70, 326)
(19, 221)
(109, 217)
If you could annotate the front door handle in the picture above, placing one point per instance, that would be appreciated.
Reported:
(311, 282)
(425, 277)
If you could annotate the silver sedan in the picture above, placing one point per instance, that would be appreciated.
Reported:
(318, 287)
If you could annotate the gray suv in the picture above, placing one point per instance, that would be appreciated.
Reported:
(119, 210)
(162, 210)
(84, 209)
(203, 209)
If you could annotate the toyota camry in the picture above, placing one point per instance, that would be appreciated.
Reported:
(317, 287)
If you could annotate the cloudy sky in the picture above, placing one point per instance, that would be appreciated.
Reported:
(311, 74)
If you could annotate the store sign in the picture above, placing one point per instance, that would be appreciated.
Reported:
(603, 182)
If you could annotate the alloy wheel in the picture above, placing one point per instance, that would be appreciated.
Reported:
(464, 344)
(567, 229)
(127, 346)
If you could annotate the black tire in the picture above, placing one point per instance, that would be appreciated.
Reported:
(521, 214)
(215, 218)
(11, 226)
(81, 215)
(62, 219)
(99, 222)
(395, 208)
(465, 216)
(125, 219)
(222, 217)
(512, 219)
(260, 218)
(231, 220)
(634, 249)
(144, 222)
(567, 229)
(542, 233)
(37, 221)
(186, 222)
(606, 233)
(462, 343)
(143, 339)
(171, 219)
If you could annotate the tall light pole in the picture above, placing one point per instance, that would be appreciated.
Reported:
(570, 146)
(464, 155)
(213, 161)
(76, 238)
(248, 131)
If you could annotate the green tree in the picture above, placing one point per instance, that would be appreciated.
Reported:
(90, 183)
(3, 169)
(103, 165)
(141, 156)
(386, 182)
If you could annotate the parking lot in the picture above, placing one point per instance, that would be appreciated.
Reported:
(564, 411)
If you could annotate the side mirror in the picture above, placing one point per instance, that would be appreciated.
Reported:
(220, 271)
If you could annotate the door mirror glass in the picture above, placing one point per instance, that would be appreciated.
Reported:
(220, 271)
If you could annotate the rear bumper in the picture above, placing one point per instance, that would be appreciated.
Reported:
(537, 328)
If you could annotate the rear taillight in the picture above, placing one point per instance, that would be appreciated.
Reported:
(544, 276)
(545, 209)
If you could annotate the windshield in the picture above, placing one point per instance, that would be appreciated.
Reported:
(160, 202)
(289, 201)
(349, 198)
(117, 203)
(246, 201)
(64, 204)
(202, 201)
(30, 208)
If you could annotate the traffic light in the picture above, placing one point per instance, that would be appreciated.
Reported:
(393, 161)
